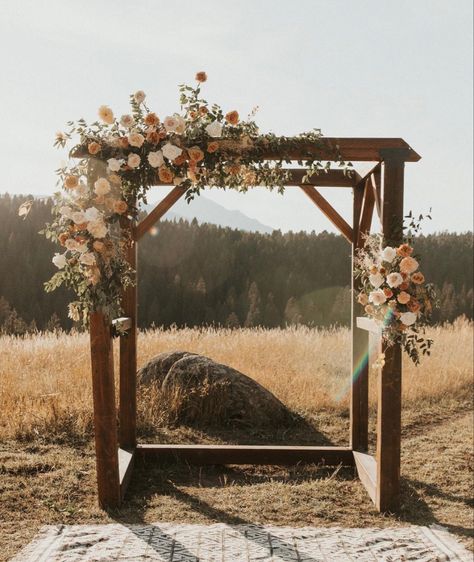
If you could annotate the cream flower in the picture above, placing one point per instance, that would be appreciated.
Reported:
(408, 318)
(155, 159)
(114, 164)
(171, 151)
(65, 211)
(136, 139)
(133, 160)
(92, 214)
(78, 217)
(377, 297)
(362, 299)
(59, 260)
(87, 259)
(106, 114)
(170, 124)
(97, 228)
(214, 129)
(181, 125)
(71, 244)
(408, 265)
(376, 280)
(389, 254)
(102, 186)
(139, 96)
(394, 279)
(127, 121)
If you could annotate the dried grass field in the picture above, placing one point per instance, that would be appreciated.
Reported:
(46, 452)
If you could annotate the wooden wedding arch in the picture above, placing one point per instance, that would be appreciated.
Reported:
(380, 189)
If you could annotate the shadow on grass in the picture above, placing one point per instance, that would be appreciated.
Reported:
(417, 511)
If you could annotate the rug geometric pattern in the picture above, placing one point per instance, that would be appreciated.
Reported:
(169, 542)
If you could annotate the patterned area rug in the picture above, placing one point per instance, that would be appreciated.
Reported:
(168, 542)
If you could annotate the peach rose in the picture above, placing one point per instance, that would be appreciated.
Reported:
(201, 76)
(212, 147)
(165, 174)
(388, 292)
(418, 278)
(63, 237)
(369, 309)
(120, 207)
(404, 286)
(403, 298)
(136, 139)
(152, 119)
(106, 114)
(234, 169)
(408, 265)
(362, 299)
(232, 117)
(98, 246)
(93, 147)
(181, 159)
(195, 154)
(115, 179)
(404, 250)
(71, 182)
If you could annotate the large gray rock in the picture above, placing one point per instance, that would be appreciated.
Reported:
(197, 391)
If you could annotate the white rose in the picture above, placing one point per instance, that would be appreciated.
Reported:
(102, 186)
(78, 217)
(127, 121)
(155, 159)
(98, 228)
(87, 259)
(133, 160)
(59, 260)
(170, 124)
(65, 211)
(388, 254)
(92, 214)
(114, 164)
(136, 139)
(394, 279)
(377, 297)
(376, 280)
(171, 151)
(408, 318)
(139, 96)
(214, 129)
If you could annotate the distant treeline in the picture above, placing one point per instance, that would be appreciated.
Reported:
(192, 275)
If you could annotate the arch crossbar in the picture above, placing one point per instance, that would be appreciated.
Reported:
(381, 189)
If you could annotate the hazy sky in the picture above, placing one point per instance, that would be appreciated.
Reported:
(352, 68)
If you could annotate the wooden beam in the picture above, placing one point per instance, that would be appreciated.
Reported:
(329, 211)
(247, 454)
(390, 379)
(328, 148)
(105, 416)
(366, 466)
(329, 178)
(359, 399)
(163, 206)
(128, 350)
(376, 179)
(367, 212)
(126, 463)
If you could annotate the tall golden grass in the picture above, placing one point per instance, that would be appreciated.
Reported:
(45, 381)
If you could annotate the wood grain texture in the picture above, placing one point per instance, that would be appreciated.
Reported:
(390, 379)
(105, 415)
(163, 206)
(246, 454)
(329, 211)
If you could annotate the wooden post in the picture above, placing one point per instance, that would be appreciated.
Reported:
(390, 378)
(128, 358)
(105, 416)
(359, 405)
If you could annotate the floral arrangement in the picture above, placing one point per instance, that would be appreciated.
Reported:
(117, 160)
(394, 292)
